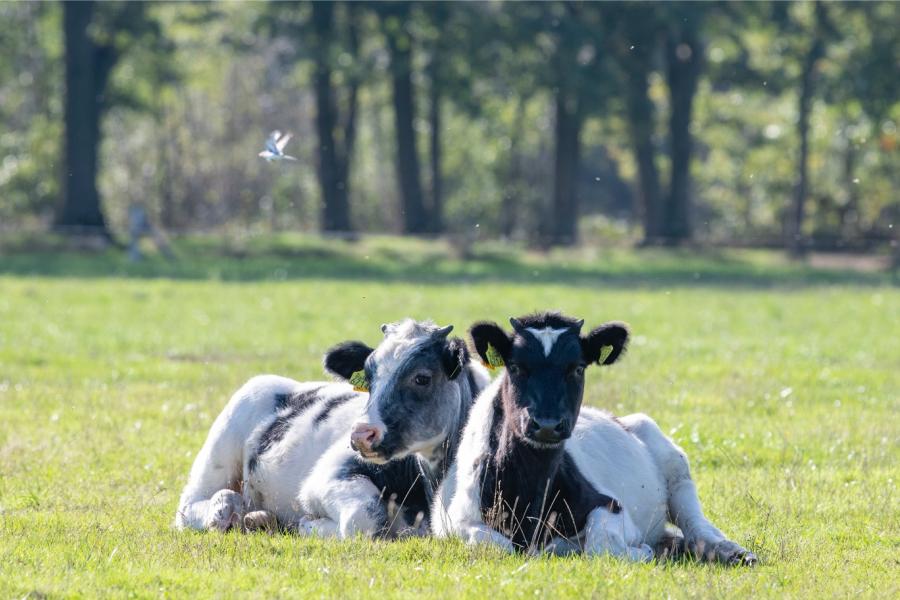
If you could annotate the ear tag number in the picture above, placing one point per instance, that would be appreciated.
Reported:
(605, 351)
(359, 382)
(494, 359)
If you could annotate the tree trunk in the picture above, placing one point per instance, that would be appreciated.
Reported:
(565, 181)
(81, 211)
(641, 124)
(408, 173)
(850, 210)
(335, 208)
(511, 203)
(434, 120)
(684, 59)
(796, 243)
(164, 175)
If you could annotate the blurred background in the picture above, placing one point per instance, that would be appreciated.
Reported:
(763, 124)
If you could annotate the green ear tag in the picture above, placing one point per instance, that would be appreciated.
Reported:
(605, 351)
(494, 359)
(358, 381)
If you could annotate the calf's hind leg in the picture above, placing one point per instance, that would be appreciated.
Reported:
(210, 499)
(701, 537)
(614, 533)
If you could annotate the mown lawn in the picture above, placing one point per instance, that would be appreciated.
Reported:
(781, 382)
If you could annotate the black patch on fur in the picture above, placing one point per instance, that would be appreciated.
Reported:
(290, 406)
(346, 358)
(330, 406)
(402, 479)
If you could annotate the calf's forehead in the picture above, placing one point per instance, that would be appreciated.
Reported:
(406, 344)
(547, 345)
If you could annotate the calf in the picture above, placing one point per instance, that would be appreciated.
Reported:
(279, 452)
(612, 488)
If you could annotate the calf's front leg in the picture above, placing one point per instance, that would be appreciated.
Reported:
(344, 508)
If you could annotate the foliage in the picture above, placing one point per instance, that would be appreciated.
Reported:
(211, 80)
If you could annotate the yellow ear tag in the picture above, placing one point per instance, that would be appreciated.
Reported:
(494, 359)
(358, 381)
(605, 351)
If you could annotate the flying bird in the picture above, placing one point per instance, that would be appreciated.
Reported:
(275, 147)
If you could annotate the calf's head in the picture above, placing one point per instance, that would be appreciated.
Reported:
(545, 357)
(412, 379)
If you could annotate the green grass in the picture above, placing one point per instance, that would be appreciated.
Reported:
(782, 382)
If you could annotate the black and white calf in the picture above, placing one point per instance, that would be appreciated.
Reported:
(536, 471)
(280, 451)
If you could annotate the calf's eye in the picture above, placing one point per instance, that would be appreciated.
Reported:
(516, 370)
(578, 371)
(422, 379)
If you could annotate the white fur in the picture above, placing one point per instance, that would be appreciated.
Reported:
(630, 460)
(457, 503)
(547, 337)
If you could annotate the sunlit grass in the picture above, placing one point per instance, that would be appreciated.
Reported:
(783, 390)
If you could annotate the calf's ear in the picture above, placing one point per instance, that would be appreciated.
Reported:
(346, 358)
(454, 357)
(604, 344)
(491, 342)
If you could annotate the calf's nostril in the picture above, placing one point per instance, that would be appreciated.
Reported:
(364, 438)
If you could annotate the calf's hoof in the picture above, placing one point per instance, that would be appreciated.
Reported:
(260, 520)
(734, 555)
(482, 534)
(226, 509)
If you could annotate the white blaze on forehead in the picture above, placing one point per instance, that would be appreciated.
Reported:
(399, 339)
(547, 337)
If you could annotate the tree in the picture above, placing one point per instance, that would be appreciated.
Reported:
(684, 57)
(633, 44)
(395, 18)
(438, 17)
(336, 138)
(87, 69)
(819, 30)
(573, 73)
(96, 38)
(568, 122)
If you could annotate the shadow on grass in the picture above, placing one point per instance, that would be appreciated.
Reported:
(403, 260)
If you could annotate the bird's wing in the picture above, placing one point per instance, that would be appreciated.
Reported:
(272, 142)
(282, 142)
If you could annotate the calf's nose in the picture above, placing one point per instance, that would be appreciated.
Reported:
(547, 430)
(365, 437)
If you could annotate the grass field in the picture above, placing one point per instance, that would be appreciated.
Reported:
(780, 381)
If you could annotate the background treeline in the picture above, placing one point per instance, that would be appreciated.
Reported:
(551, 122)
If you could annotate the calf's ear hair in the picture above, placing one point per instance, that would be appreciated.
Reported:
(346, 358)
(454, 357)
(488, 333)
(604, 344)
